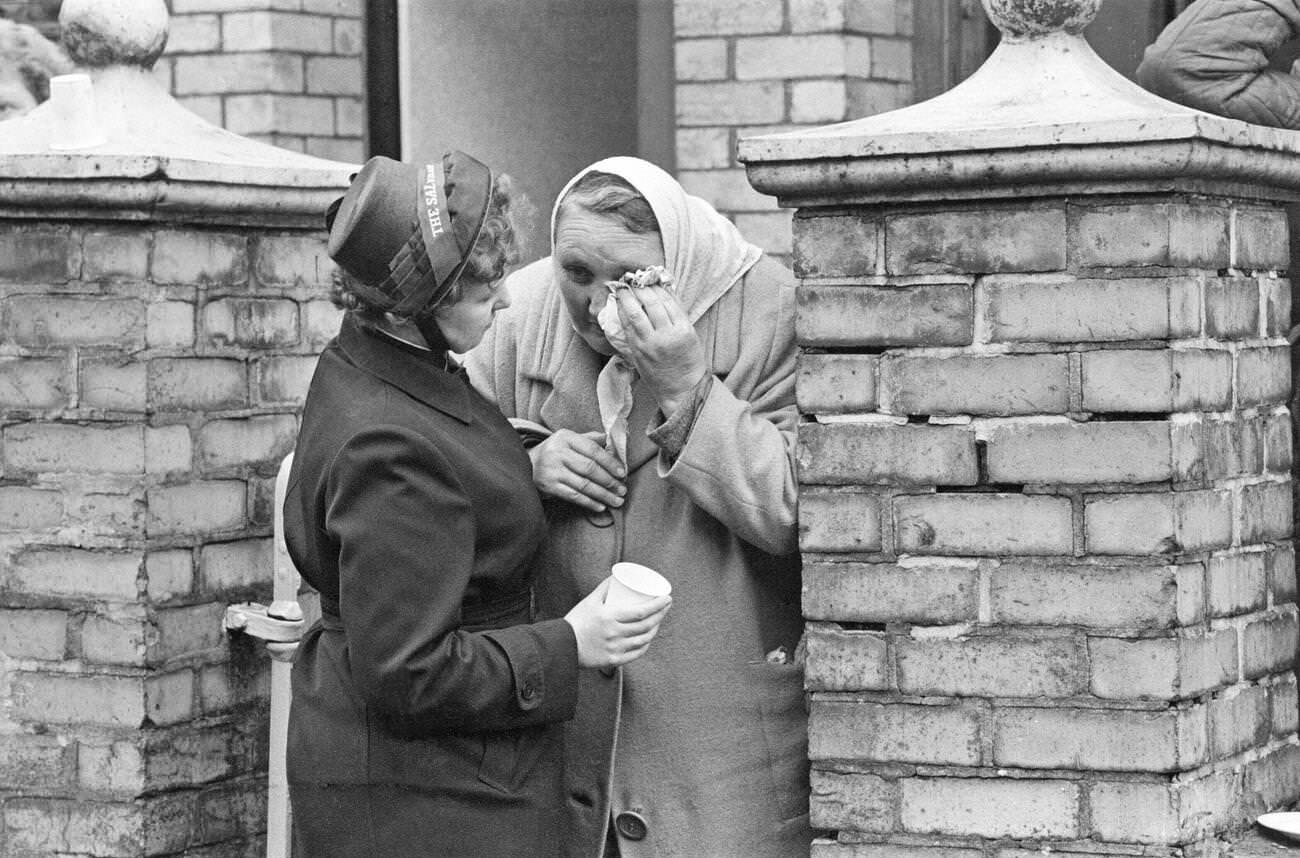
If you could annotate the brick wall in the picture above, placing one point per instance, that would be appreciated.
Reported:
(285, 73)
(1046, 515)
(760, 66)
(150, 376)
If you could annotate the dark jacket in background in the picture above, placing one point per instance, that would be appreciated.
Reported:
(427, 704)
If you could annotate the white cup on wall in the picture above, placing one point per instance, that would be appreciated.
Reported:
(74, 117)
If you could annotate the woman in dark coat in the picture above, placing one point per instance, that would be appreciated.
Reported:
(428, 701)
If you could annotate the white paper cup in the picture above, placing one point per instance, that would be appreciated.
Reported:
(632, 583)
(75, 119)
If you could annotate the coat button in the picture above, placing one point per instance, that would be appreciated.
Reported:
(608, 672)
(630, 825)
(528, 692)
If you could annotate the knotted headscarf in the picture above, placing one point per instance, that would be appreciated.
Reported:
(703, 251)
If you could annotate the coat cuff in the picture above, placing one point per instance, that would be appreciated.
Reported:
(543, 659)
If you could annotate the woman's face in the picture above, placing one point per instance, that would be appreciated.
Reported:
(465, 322)
(590, 249)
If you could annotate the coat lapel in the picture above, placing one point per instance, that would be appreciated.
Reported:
(420, 377)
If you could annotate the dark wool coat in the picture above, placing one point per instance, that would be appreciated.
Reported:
(699, 748)
(426, 705)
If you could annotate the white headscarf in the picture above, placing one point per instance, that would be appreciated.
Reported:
(703, 250)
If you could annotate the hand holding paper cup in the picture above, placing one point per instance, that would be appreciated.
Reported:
(632, 583)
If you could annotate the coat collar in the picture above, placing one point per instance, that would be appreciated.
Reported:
(420, 376)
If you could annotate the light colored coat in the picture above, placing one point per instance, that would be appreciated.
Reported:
(711, 735)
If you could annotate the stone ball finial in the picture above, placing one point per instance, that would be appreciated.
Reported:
(101, 33)
(1027, 19)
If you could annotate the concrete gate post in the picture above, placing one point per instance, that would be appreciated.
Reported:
(1045, 463)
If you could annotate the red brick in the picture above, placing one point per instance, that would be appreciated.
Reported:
(73, 572)
(1070, 452)
(841, 245)
(111, 767)
(730, 103)
(111, 513)
(320, 323)
(1055, 309)
(1284, 707)
(937, 314)
(983, 524)
(864, 731)
(239, 444)
(69, 448)
(36, 634)
(1282, 574)
(1277, 305)
(1140, 812)
(1050, 593)
(167, 450)
(1169, 740)
(200, 257)
(925, 592)
(51, 321)
(840, 660)
(727, 17)
(835, 383)
(994, 385)
(292, 260)
(984, 666)
(992, 808)
(976, 241)
(33, 384)
(264, 71)
(197, 384)
(214, 506)
(44, 826)
(872, 453)
(1164, 668)
(1278, 441)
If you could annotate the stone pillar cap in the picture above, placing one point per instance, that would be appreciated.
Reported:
(1044, 114)
(153, 153)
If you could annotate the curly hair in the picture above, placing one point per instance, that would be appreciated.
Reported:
(499, 245)
(607, 194)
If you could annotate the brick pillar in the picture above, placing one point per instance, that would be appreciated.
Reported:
(287, 74)
(1045, 461)
(757, 66)
(162, 299)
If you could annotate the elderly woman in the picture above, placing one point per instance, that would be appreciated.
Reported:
(427, 702)
(668, 443)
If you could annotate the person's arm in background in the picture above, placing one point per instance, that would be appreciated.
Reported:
(1215, 57)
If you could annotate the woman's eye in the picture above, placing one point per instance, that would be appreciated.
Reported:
(578, 275)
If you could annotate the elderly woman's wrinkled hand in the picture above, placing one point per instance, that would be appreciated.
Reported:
(662, 343)
(576, 467)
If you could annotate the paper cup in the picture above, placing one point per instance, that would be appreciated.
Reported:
(75, 120)
(632, 583)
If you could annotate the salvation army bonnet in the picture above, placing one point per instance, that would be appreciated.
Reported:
(405, 231)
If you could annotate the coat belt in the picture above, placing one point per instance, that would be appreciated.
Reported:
(499, 613)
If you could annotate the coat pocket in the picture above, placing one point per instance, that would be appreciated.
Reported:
(511, 756)
(783, 713)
